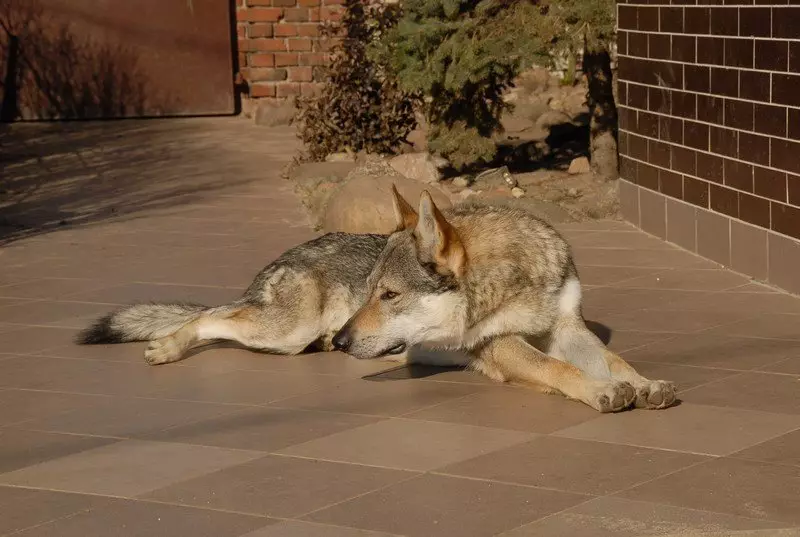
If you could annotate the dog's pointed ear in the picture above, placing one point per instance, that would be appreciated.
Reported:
(438, 240)
(404, 214)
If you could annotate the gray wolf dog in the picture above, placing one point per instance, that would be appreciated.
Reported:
(495, 282)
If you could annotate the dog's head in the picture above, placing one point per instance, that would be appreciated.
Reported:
(415, 291)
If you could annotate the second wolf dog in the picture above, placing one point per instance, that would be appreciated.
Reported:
(495, 282)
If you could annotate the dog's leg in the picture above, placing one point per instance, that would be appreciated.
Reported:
(250, 325)
(572, 342)
(510, 358)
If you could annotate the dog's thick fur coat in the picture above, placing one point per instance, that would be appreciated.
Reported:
(494, 282)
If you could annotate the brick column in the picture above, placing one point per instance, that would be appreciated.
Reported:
(279, 45)
(710, 129)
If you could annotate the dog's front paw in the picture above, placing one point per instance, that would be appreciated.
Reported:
(612, 396)
(655, 394)
(163, 351)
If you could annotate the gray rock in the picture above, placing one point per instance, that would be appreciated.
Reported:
(579, 165)
(418, 166)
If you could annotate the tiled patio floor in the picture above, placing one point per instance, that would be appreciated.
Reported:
(229, 443)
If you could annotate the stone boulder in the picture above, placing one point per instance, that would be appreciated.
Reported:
(364, 204)
(419, 166)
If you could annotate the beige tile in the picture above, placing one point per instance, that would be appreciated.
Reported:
(296, 528)
(52, 313)
(263, 429)
(770, 325)
(784, 449)
(125, 518)
(599, 275)
(686, 280)
(630, 239)
(144, 292)
(27, 508)
(629, 201)
(226, 357)
(684, 377)
(129, 417)
(617, 517)
(784, 258)
(126, 468)
(126, 352)
(33, 339)
(380, 397)
(653, 213)
(673, 320)
(22, 405)
(571, 465)
(408, 444)
(687, 427)
(21, 448)
(51, 288)
(755, 391)
(716, 350)
(681, 220)
(433, 374)
(624, 340)
(789, 365)
(620, 256)
(732, 486)
(436, 505)
(506, 407)
(618, 300)
(736, 300)
(279, 486)
(749, 250)
(239, 386)
(713, 237)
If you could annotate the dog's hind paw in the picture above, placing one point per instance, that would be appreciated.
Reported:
(655, 394)
(163, 351)
(612, 396)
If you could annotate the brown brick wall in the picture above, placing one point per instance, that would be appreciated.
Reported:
(279, 44)
(710, 128)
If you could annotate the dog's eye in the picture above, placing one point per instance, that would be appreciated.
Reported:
(388, 295)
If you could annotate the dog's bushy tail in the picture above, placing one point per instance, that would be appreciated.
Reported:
(140, 322)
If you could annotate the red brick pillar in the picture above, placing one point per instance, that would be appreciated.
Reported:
(279, 45)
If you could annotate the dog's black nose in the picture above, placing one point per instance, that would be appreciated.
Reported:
(342, 340)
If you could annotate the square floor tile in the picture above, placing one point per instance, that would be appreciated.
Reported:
(52, 313)
(506, 407)
(125, 518)
(279, 486)
(687, 280)
(597, 275)
(22, 405)
(784, 449)
(26, 508)
(619, 300)
(623, 340)
(126, 468)
(51, 288)
(126, 352)
(574, 465)
(20, 448)
(408, 444)
(436, 505)
(28, 340)
(296, 528)
(770, 325)
(736, 300)
(617, 517)
(684, 377)
(733, 486)
(687, 427)
(263, 429)
(240, 387)
(672, 320)
(147, 292)
(755, 391)
(380, 397)
(130, 417)
(716, 350)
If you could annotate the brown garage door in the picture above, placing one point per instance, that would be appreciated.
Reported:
(115, 58)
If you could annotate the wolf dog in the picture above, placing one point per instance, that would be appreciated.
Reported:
(494, 282)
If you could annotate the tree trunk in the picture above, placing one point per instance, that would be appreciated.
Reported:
(602, 111)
